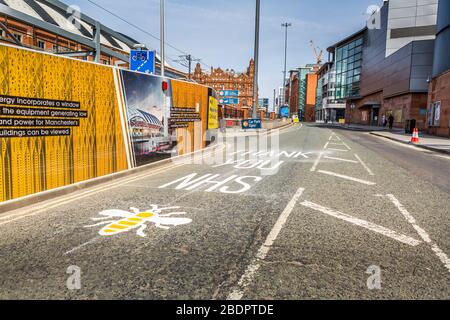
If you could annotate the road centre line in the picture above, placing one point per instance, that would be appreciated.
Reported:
(364, 224)
(364, 165)
(340, 159)
(421, 232)
(347, 177)
(340, 150)
(249, 274)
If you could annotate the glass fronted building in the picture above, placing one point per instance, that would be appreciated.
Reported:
(302, 73)
(348, 69)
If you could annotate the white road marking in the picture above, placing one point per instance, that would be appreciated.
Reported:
(252, 269)
(364, 165)
(369, 183)
(340, 150)
(316, 163)
(340, 159)
(364, 224)
(421, 232)
(346, 145)
(335, 136)
(81, 246)
(336, 143)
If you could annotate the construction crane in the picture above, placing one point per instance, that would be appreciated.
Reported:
(318, 54)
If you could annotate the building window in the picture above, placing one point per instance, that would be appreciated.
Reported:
(348, 69)
(41, 44)
(18, 37)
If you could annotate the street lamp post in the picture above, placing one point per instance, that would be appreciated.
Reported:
(285, 25)
(162, 38)
(256, 59)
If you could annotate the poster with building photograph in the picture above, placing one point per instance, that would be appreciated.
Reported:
(146, 107)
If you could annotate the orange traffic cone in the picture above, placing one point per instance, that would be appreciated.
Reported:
(415, 136)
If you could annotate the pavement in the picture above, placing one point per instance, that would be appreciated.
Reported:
(428, 142)
(304, 213)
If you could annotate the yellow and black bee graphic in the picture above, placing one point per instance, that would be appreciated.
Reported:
(138, 219)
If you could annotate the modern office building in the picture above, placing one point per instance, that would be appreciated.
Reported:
(328, 107)
(263, 103)
(390, 78)
(300, 91)
(55, 27)
(438, 122)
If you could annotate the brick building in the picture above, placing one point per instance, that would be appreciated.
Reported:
(439, 89)
(53, 26)
(310, 97)
(292, 93)
(300, 92)
(220, 80)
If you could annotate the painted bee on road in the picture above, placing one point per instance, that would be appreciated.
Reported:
(138, 220)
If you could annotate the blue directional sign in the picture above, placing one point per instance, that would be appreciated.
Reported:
(251, 124)
(284, 111)
(229, 101)
(143, 61)
(229, 93)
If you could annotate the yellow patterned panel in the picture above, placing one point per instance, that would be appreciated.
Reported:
(96, 148)
(187, 95)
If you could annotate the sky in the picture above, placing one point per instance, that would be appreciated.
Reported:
(221, 33)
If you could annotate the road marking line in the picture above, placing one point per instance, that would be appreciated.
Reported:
(364, 224)
(347, 177)
(346, 145)
(340, 159)
(326, 145)
(364, 165)
(336, 143)
(252, 269)
(340, 150)
(421, 232)
(316, 163)
(82, 245)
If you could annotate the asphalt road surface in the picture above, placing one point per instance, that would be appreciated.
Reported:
(318, 214)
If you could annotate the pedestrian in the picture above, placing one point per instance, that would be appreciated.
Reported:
(391, 122)
(384, 121)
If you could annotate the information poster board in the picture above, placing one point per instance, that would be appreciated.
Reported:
(59, 122)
